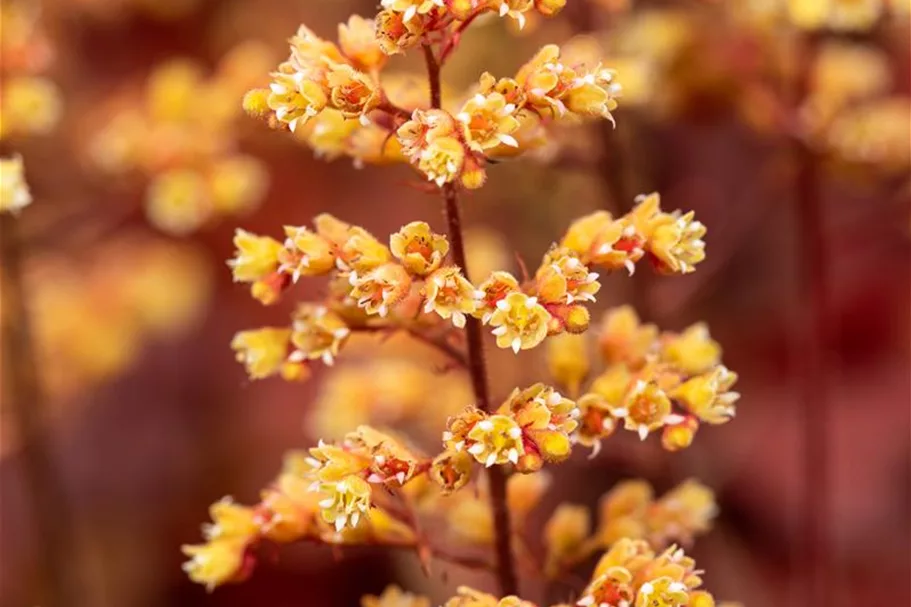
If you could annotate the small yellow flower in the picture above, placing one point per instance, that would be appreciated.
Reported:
(294, 98)
(662, 592)
(351, 92)
(568, 361)
(488, 121)
(676, 242)
(449, 294)
(495, 440)
(564, 279)
(613, 587)
(29, 105)
(519, 322)
(624, 339)
(564, 534)
(709, 396)
(262, 351)
(178, 202)
(358, 41)
(497, 286)
(599, 239)
(515, 9)
(393, 596)
(14, 192)
(681, 513)
(679, 436)
(419, 249)
(395, 34)
(594, 94)
(694, 351)
(451, 470)
(377, 291)
(549, 8)
(230, 520)
(317, 333)
(256, 256)
(425, 126)
(306, 253)
(646, 408)
(347, 502)
(237, 183)
(361, 251)
(215, 563)
(442, 160)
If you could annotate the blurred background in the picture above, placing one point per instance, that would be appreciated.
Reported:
(787, 134)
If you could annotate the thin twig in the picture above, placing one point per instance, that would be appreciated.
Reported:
(439, 343)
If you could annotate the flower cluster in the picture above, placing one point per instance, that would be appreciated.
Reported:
(178, 133)
(374, 487)
(628, 510)
(504, 117)
(531, 426)
(652, 381)
(93, 314)
(404, 24)
(14, 192)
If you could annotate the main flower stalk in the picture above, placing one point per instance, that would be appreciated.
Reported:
(505, 560)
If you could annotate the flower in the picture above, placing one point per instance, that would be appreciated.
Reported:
(519, 322)
(497, 286)
(449, 294)
(317, 333)
(693, 351)
(256, 256)
(177, 201)
(451, 470)
(347, 501)
(564, 534)
(262, 351)
(442, 160)
(624, 339)
(513, 8)
(358, 41)
(662, 592)
(395, 34)
(563, 278)
(215, 563)
(495, 440)
(351, 92)
(676, 242)
(294, 98)
(646, 408)
(14, 192)
(380, 289)
(419, 249)
(709, 396)
(488, 121)
(568, 361)
(410, 8)
(306, 253)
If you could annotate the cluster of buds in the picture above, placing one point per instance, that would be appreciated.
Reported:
(652, 381)
(404, 24)
(628, 510)
(14, 191)
(532, 426)
(178, 134)
(504, 117)
(322, 496)
(369, 280)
